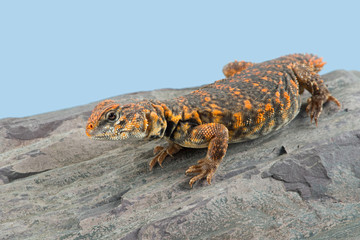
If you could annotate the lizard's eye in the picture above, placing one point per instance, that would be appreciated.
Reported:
(111, 116)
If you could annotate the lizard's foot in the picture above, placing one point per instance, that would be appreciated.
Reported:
(161, 154)
(204, 168)
(315, 103)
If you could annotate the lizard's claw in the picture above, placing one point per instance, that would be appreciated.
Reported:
(204, 168)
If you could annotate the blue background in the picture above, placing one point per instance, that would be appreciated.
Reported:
(60, 54)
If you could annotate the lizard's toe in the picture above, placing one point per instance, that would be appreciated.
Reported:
(159, 158)
(158, 149)
(314, 108)
(332, 99)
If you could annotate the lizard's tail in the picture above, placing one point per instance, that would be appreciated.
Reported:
(235, 67)
(315, 62)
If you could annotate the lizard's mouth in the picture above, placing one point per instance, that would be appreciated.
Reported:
(106, 137)
(120, 135)
(115, 136)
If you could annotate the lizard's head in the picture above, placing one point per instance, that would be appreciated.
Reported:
(112, 121)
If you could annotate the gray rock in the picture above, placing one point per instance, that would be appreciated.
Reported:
(301, 182)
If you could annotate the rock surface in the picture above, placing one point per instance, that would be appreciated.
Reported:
(302, 182)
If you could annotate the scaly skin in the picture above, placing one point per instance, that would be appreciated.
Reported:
(253, 100)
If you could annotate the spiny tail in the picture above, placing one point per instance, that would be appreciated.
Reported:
(315, 62)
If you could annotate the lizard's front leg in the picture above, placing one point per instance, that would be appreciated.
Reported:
(161, 153)
(214, 135)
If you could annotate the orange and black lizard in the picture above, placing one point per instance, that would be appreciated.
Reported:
(253, 100)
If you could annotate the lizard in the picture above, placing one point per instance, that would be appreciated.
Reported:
(254, 99)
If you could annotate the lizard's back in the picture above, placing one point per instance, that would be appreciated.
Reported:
(258, 100)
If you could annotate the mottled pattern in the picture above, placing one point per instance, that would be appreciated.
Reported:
(253, 100)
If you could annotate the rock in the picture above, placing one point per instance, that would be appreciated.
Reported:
(301, 182)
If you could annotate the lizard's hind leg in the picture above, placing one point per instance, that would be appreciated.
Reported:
(312, 82)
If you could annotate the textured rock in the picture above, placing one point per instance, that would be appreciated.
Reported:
(301, 182)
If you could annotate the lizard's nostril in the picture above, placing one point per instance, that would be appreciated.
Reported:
(90, 126)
